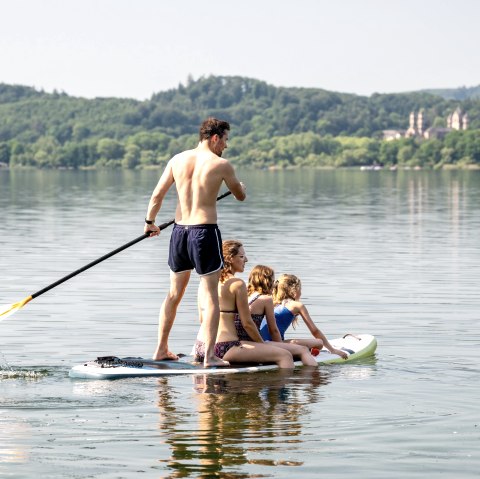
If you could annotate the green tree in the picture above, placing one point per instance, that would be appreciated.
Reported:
(109, 149)
(428, 153)
(405, 154)
(388, 153)
(132, 156)
(447, 156)
(80, 132)
(4, 153)
(45, 152)
(147, 158)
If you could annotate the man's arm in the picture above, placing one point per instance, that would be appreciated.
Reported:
(233, 184)
(156, 200)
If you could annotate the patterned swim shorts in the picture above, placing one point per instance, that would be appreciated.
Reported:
(220, 349)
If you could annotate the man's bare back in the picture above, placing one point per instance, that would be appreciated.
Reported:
(198, 176)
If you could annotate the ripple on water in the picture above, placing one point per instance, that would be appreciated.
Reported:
(22, 374)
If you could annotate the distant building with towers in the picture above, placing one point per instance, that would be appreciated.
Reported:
(417, 126)
(457, 120)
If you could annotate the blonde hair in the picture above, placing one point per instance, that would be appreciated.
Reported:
(286, 287)
(230, 248)
(260, 280)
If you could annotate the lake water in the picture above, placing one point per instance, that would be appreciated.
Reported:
(393, 254)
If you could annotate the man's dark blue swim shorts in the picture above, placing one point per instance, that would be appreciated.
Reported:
(197, 246)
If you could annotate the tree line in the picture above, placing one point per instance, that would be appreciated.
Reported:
(271, 127)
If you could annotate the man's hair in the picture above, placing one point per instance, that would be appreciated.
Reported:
(212, 126)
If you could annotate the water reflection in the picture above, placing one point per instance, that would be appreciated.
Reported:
(12, 435)
(394, 254)
(240, 419)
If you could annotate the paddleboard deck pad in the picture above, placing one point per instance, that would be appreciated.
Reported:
(112, 367)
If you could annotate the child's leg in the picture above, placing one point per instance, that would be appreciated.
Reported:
(297, 350)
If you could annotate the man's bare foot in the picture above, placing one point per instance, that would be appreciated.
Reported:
(158, 356)
(215, 363)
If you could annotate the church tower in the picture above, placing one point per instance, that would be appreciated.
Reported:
(420, 122)
(457, 119)
(411, 128)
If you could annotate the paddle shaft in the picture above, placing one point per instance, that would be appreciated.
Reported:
(108, 255)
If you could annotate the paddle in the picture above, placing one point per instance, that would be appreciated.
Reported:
(9, 309)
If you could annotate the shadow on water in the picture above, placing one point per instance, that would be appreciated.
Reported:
(240, 418)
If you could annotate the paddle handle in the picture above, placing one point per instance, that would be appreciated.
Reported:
(108, 255)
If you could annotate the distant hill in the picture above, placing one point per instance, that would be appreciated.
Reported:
(270, 125)
(460, 94)
(250, 105)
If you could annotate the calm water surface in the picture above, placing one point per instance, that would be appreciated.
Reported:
(394, 254)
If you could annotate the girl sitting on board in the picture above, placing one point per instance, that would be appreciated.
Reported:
(286, 294)
(233, 300)
(260, 284)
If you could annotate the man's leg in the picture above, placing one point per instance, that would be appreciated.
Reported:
(168, 311)
(211, 316)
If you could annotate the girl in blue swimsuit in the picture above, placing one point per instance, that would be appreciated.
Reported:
(287, 291)
(260, 284)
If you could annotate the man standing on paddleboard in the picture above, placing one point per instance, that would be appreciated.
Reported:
(195, 241)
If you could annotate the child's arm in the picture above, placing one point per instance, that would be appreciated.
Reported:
(316, 333)
(271, 323)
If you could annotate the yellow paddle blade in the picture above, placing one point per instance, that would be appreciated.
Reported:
(9, 309)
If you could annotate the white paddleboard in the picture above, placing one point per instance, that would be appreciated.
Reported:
(111, 367)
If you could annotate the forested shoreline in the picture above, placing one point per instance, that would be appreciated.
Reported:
(272, 127)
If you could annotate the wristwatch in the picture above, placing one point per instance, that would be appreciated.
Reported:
(149, 222)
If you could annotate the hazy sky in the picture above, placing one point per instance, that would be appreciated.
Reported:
(134, 48)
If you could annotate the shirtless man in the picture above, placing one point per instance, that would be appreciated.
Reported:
(195, 242)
